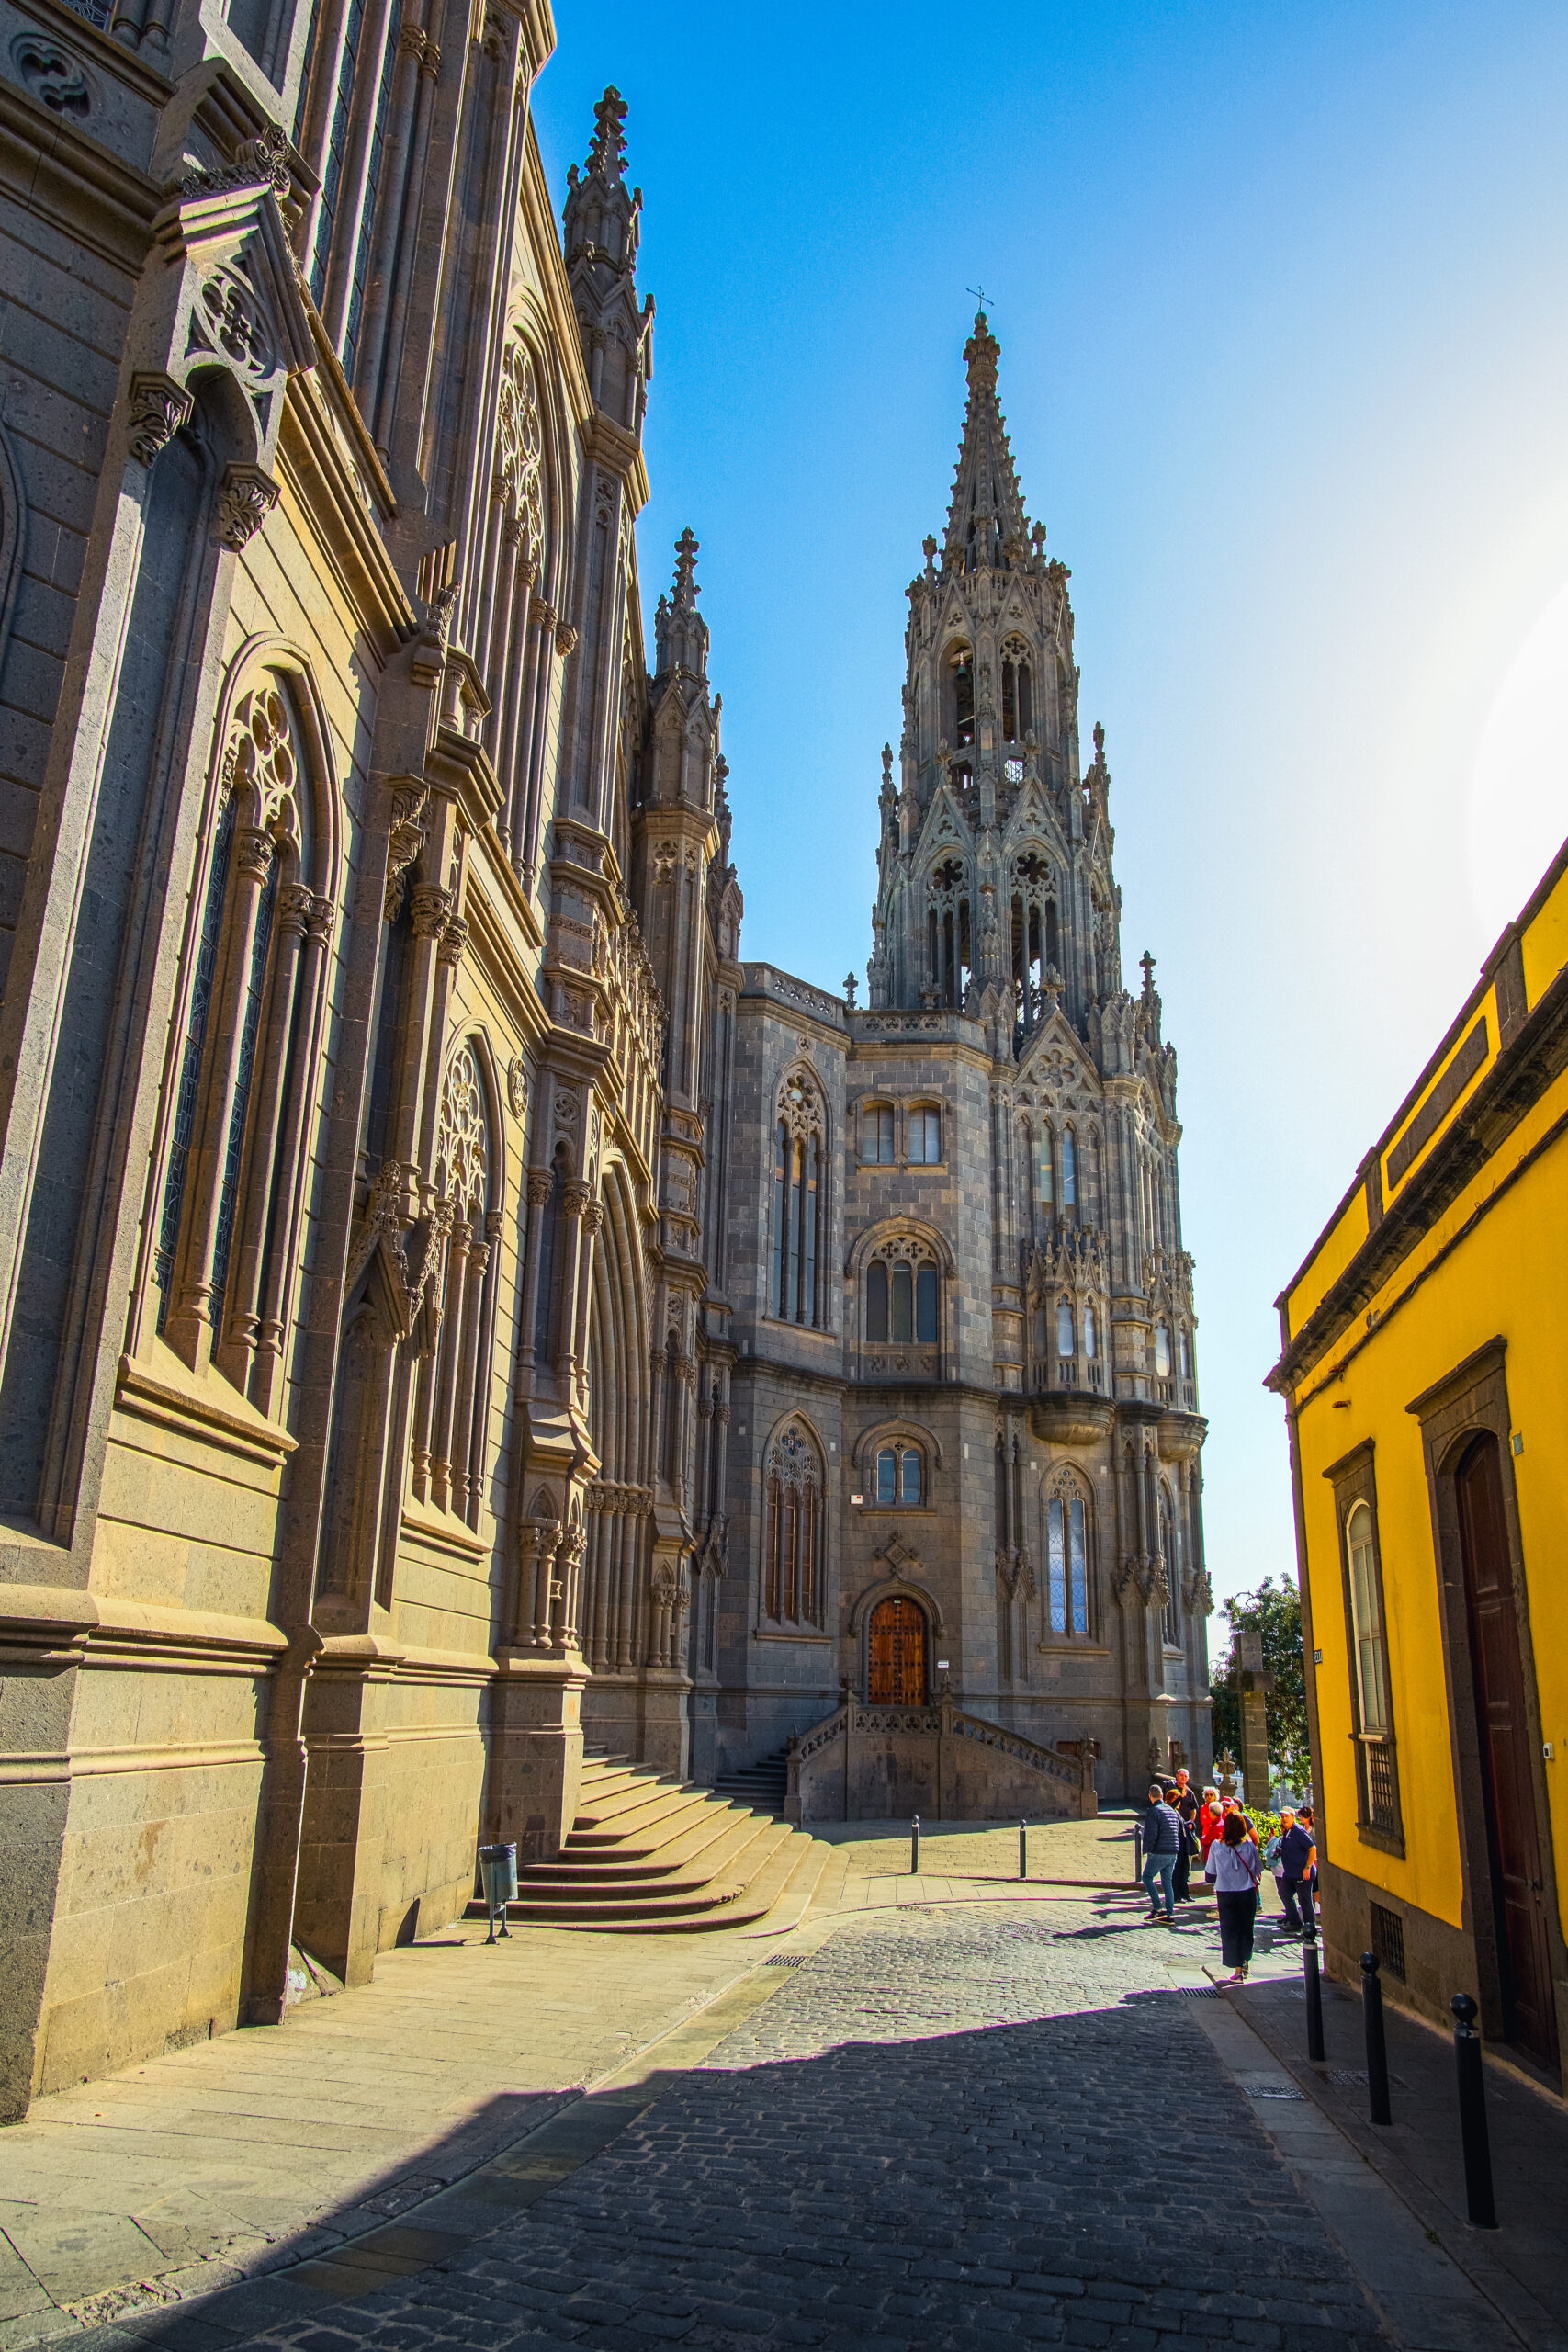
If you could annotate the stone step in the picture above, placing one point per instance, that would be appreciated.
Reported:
(699, 1855)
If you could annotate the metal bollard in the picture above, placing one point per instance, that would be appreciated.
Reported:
(1472, 2130)
(1314, 1996)
(1139, 1851)
(1377, 2049)
(1024, 1849)
(915, 1846)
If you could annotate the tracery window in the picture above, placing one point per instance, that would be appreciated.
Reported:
(900, 1476)
(948, 941)
(455, 1334)
(1035, 947)
(224, 1262)
(1066, 1560)
(902, 1296)
(876, 1138)
(925, 1136)
(793, 1529)
(800, 1205)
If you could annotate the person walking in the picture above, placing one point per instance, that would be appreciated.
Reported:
(1183, 1803)
(1209, 1821)
(1309, 1875)
(1298, 1859)
(1235, 1866)
(1162, 1847)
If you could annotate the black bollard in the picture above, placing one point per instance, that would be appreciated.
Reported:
(1314, 1996)
(1472, 2130)
(1024, 1849)
(1377, 2049)
(915, 1846)
(1138, 1850)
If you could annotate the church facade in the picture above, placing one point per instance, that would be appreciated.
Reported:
(966, 1443)
(451, 1308)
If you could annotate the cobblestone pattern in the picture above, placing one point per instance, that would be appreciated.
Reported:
(940, 2133)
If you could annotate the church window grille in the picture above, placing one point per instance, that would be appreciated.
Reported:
(1066, 1576)
(925, 1136)
(876, 1134)
(794, 1531)
(799, 1205)
(224, 1262)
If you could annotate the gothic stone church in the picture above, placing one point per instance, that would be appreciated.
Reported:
(453, 1312)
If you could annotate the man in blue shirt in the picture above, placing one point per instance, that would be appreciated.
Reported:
(1162, 1845)
(1298, 1857)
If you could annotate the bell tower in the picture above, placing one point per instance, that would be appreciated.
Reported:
(996, 894)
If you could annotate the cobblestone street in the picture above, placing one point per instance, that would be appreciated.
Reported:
(945, 2128)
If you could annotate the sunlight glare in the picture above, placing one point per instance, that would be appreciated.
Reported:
(1518, 792)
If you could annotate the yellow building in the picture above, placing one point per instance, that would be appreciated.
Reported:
(1425, 1371)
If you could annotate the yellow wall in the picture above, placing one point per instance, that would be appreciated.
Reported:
(1509, 1278)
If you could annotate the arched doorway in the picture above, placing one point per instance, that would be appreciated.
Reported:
(1513, 1833)
(897, 1654)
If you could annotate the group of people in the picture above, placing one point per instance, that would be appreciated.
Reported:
(1181, 1829)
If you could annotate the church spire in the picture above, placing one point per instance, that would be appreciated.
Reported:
(602, 225)
(986, 522)
(681, 634)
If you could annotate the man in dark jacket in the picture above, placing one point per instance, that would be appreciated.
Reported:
(1162, 1845)
(1182, 1800)
(1298, 1857)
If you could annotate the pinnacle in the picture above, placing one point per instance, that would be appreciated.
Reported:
(686, 588)
(607, 155)
(985, 516)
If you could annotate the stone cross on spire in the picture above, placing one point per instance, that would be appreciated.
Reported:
(686, 589)
(1146, 966)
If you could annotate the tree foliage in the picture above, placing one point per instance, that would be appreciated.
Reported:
(1275, 1611)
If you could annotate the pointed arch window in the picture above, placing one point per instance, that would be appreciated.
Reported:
(225, 1256)
(793, 1528)
(1018, 692)
(799, 1205)
(1069, 1170)
(1088, 1333)
(1162, 1350)
(454, 1334)
(1066, 1561)
(1065, 1346)
(963, 698)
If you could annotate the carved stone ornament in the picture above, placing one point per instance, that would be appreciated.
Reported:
(566, 639)
(158, 408)
(247, 496)
(263, 160)
(229, 319)
(517, 1086)
(54, 75)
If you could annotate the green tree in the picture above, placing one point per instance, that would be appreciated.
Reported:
(1275, 1610)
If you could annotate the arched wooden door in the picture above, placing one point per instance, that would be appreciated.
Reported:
(1513, 1835)
(897, 1644)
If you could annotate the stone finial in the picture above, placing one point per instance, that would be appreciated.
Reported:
(1146, 966)
(851, 984)
(607, 154)
(686, 589)
(981, 353)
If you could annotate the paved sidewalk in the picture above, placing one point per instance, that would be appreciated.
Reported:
(200, 2165)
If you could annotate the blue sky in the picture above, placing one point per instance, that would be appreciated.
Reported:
(1282, 297)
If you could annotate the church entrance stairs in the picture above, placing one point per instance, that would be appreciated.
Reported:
(648, 1854)
(764, 1785)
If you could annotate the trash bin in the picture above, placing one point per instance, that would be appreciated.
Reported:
(498, 1869)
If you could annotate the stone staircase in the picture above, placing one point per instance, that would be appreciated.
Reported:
(649, 1855)
(764, 1786)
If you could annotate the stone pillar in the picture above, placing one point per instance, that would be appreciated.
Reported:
(1253, 1686)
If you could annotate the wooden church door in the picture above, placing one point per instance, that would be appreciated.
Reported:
(897, 1677)
(1513, 1835)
